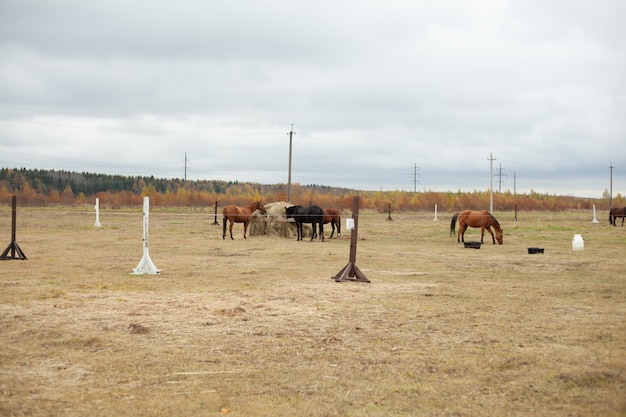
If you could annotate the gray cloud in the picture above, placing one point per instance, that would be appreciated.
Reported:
(373, 88)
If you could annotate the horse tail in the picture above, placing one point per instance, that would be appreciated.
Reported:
(453, 223)
(338, 225)
(224, 228)
(611, 216)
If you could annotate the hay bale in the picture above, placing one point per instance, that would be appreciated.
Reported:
(274, 222)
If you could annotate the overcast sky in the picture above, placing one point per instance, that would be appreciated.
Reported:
(383, 95)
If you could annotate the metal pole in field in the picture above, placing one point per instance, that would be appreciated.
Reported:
(146, 266)
(435, 219)
(595, 220)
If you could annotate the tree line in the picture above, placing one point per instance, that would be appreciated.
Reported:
(42, 188)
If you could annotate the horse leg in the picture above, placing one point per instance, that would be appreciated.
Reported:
(332, 224)
(492, 235)
(232, 222)
(461, 233)
(245, 228)
(322, 230)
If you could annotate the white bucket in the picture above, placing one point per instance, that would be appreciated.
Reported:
(578, 243)
(349, 224)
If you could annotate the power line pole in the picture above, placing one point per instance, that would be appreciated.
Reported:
(291, 133)
(611, 186)
(515, 194)
(500, 174)
(415, 175)
(186, 166)
(491, 159)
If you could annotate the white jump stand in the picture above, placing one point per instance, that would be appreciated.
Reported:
(97, 224)
(595, 220)
(146, 266)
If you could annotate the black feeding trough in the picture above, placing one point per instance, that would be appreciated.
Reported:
(533, 251)
(472, 245)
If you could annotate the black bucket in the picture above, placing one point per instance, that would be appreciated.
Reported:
(472, 245)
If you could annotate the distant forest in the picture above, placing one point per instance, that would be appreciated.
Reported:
(65, 188)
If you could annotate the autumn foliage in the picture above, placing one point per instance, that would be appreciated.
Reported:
(62, 188)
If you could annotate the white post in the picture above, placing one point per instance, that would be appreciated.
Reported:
(146, 266)
(435, 219)
(595, 220)
(97, 213)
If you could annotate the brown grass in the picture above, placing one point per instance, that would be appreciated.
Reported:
(257, 327)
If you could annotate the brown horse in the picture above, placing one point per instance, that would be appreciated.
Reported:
(482, 219)
(236, 214)
(333, 217)
(617, 212)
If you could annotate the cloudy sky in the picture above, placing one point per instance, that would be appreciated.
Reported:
(383, 95)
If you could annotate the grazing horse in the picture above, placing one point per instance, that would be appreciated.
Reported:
(482, 219)
(333, 217)
(313, 215)
(236, 214)
(617, 212)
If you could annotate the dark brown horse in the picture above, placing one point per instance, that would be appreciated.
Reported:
(482, 219)
(617, 212)
(236, 214)
(333, 217)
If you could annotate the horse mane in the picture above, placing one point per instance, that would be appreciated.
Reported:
(495, 221)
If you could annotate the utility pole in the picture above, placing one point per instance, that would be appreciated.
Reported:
(491, 159)
(415, 175)
(611, 186)
(515, 194)
(185, 167)
(500, 174)
(291, 133)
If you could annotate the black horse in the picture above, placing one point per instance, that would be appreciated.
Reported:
(313, 215)
(615, 213)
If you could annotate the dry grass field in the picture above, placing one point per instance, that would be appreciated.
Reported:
(257, 327)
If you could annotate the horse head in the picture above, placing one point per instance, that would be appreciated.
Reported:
(499, 235)
(290, 212)
(259, 206)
